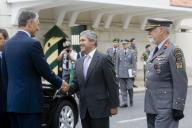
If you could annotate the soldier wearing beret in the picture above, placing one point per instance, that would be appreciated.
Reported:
(166, 80)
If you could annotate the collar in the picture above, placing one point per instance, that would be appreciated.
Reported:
(21, 30)
(161, 44)
(92, 53)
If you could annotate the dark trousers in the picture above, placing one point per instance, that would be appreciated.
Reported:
(89, 122)
(19, 120)
(4, 120)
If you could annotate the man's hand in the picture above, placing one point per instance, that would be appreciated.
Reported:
(177, 114)
(65, 87)
(113, 111)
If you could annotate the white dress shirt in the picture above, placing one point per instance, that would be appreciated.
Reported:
(87, 62)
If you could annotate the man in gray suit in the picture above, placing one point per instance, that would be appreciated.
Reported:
(126, 67)
(113, 51)
(96, 82)
(166, 79)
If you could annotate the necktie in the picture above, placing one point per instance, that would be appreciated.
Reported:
(86, 65)
(125, 52)
(114, 52)
(67, 62)
(155, 51)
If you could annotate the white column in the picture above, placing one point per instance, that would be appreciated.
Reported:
(5, 17)
(183, 40)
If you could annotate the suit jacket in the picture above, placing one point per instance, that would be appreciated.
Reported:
(23, 65)
(99, 91)
(2, 97)
(166, 80)
(125, 62)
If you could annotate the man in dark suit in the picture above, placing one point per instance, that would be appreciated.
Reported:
(96, 82)
(3, 115)
(23, 65)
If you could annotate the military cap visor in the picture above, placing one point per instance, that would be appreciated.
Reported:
(125, 41)
(153, 23)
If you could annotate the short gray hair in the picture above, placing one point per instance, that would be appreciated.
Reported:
(26, 17)
(167, 29)
(91, 35)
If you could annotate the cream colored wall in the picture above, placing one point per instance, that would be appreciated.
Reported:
(184, 41)
(105, 36)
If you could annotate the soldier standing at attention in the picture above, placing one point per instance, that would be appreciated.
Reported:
(113, 52)
(166, 78)
(126, 67)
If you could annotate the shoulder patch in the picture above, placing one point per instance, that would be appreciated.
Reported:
(179, 58)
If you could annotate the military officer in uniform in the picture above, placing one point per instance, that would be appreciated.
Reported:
(126, 67)
(113, 52)
(166, 79)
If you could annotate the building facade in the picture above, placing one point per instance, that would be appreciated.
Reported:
(109, 18)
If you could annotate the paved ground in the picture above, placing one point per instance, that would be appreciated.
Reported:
(134, 117)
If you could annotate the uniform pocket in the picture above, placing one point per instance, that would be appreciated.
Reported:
(165, 98)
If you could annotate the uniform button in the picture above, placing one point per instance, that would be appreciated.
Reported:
(176, 102)
(148, 71)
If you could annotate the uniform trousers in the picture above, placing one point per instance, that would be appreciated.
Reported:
(161, 121)
(126, 86)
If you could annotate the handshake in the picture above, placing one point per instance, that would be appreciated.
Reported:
(65, 86)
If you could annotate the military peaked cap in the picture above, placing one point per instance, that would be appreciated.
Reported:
(157, 22)
(116, 40)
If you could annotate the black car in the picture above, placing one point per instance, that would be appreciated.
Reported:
(59, 110)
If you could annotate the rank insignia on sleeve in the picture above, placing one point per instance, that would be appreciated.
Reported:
(178, 51)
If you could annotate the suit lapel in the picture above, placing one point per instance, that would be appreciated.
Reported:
(81, 69)
(92, 65)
